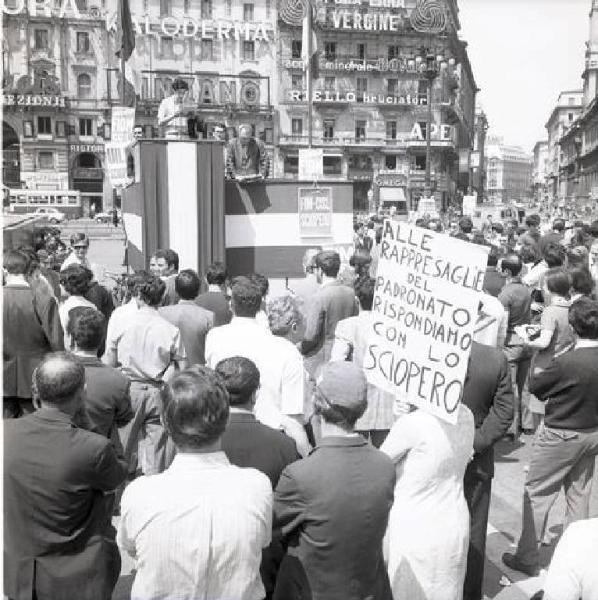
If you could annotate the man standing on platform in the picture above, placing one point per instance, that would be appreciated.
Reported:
(173, 111)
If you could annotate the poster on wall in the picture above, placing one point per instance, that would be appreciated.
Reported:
(315, 212)
(311, 163)
(428, 288)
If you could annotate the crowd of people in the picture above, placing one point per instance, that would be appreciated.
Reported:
(232, 438)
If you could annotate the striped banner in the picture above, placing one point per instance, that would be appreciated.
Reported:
(262, 226)
(176, 202)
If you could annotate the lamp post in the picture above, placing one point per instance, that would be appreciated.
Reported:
(482, 130)
(430, 65)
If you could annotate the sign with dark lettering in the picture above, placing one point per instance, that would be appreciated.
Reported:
(315, 212)
(425, 308)
(43, 100)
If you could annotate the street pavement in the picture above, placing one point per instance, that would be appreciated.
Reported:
(511, 459)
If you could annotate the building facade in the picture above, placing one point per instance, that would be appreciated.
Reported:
(568, 108)
(540, 170)
(54, 99)
(508, 171)
(370, 101)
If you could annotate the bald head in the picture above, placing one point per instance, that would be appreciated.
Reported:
(59, 379)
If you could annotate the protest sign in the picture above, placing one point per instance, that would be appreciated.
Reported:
(425, 308)
(469, 205)
(315, 212)
(122, 125)
(311, 163)
(116, 163)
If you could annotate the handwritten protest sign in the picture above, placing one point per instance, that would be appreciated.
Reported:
(425, 308)
(315, 212)
(123, 122)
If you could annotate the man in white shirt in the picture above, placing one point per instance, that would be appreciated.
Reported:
(173, 111)
(573, 574)
(149, 352)
(197, 530)
(280, 397)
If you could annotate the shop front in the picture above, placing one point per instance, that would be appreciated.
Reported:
(87, 176)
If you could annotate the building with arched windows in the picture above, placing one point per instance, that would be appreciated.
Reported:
(55, 108)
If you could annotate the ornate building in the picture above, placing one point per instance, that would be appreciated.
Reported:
(370, 99)
(54, 97)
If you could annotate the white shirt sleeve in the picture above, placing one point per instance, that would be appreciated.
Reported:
(343, 341)
(124, 537)
(562, 581)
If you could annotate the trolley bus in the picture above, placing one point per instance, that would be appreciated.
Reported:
(27, 201)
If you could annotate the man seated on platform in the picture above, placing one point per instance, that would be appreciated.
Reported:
(247, 158)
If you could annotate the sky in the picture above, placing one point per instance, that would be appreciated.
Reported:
(523, 53)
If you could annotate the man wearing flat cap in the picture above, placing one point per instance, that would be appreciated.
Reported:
(333, 506)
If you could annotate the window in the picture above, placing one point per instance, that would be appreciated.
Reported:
(83, 41)
(332, 165)
(330, 50)
(570, 117)
(390, 162)
(361, 51)
(82, 5)
(84, 85)
(165, 8)
(571, 100)
(229, 8)
(85, 127)
(296, 47)
(167, 47)
(391, 130)
(297, 81)
(46, 160)
(362, 88)
(328, 129)
(206, 9)
(268, 8)
(329, 83)
(207, 49)
(291, 164)
(297, 126)
(391, 86)
(40, 38)
(420, 162)
(360, 130)
(186, 5)
(44, 126)
(393, 52)
(248, 50)
(60, 129)
(248, 13)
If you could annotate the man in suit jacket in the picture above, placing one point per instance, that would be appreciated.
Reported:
(107, 402)
(332, 303)
(249, 443)
(57, 542)
(333, 506)
(488, 393)
(31, 328)
(192, 320)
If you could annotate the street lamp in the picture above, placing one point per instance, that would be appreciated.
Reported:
(483, 127)
(430, 65)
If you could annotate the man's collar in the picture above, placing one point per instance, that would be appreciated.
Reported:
(88, 359)
(338, 441)
(53, 415)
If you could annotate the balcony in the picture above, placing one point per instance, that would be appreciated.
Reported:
(293, 140)
(373, 142)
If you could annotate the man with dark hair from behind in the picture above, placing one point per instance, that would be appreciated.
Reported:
(248, 443)
(332, 303)
(494, 280)
(516, 297)
(197, 530)
(106, 401)
(215, 299)
(63, 475)
(531, 236)
(192, 321)
(149, 351)
(554, 236)
(280, 397)
(31, 328)
(262, 282)
(565, 449)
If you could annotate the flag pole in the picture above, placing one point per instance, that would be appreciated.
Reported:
(310, 103)
(122, 79)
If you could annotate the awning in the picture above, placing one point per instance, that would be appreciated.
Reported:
(392, 194)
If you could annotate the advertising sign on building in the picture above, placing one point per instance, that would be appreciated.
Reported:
(425, 308)
(464, 160)
(311, 163)
(315, 212)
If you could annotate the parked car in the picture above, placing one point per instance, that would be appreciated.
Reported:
(106, 217)
(50, 214)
